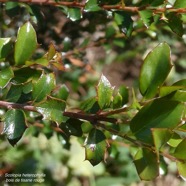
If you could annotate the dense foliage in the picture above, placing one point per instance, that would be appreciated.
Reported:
(48, 87)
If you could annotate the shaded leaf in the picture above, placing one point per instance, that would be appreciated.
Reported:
(62, 92)
(124, 22)
(155, 69)
(14, 93)
(26, 44)
(147, 17)
(124, 92)
(52, 109)
(43, 86)
(160, 113)
(182, 169)
(72, 127)
(91, 6)
(5, 76)
(14, 125)
(51, 52)
(175, 23)
(146, 164)
(104, 92)
(5, 47)
(117, 101)
(95, 146)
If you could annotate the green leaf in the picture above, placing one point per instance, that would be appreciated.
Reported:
(43, 87)
(51, 52)
(180, 150)
(155, 69)
(166, 90)
(74, 14)
(14, 125)
(104, 92)
(175, 23)
(52, 109)
(5, 76)
(62, 93)
(180, 4)
(91, 6)
(160, 113)
(181, 82)
(124, 22)
(124, 92)
(72, 127)
(26, 44)
(24, 75)
(147, 17)
(5, 47)
(117, 101)
(95, 146)
(146, 164)
(14, 93)
(161, 137)
(182, 169)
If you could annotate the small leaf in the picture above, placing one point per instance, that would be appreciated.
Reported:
(5, 76)
(124, 22)
(160, 113)
(95, 146)
(52, 109)
(104, 92)
(14, 93)
(155, 69)
(91, 6)
(180, 4)
(147, 17)
(5, 47)
(117, 101)
(43, 87)
(74, 14)
(175, 23)
(72, 127)
(146, 164)
(62, 93)
(26, 44)
(180, 150)
(182, 169)
(14, 125)
(51, 52)
(124, 92)
(161, 137)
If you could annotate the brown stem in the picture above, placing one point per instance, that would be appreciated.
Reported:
(104, 7)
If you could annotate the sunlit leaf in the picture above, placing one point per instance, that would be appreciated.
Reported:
(104, 92)
(5, 76)
(160, 113)
(26, 44)
(95, 146)
(179, 4)
(146, 164)
(91, 6)
(52, 109)
(182, 169)
(147, 17)
(180, 150)
(14, 125)
(155, 69)
(43, 87)
(74, 14)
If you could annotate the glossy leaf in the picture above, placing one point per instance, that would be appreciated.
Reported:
(147, 17)
(182, 169)
(95, 147)
(124, 22)
(43, 87)
(180, 150)
(91, 6)
(74, 14)
(62, 93)
(146, 164)
(161, 137)
(175, 23)
(160, 113)
(14, 93)
(52, 109)
(104, 92)
(155, 69)
(5, 47)
(5, 76)
(180, 4)
(26, 44)
(72, 127)
(166, 90)
(14, 125)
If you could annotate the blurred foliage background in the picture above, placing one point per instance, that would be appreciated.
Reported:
(90, 46)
